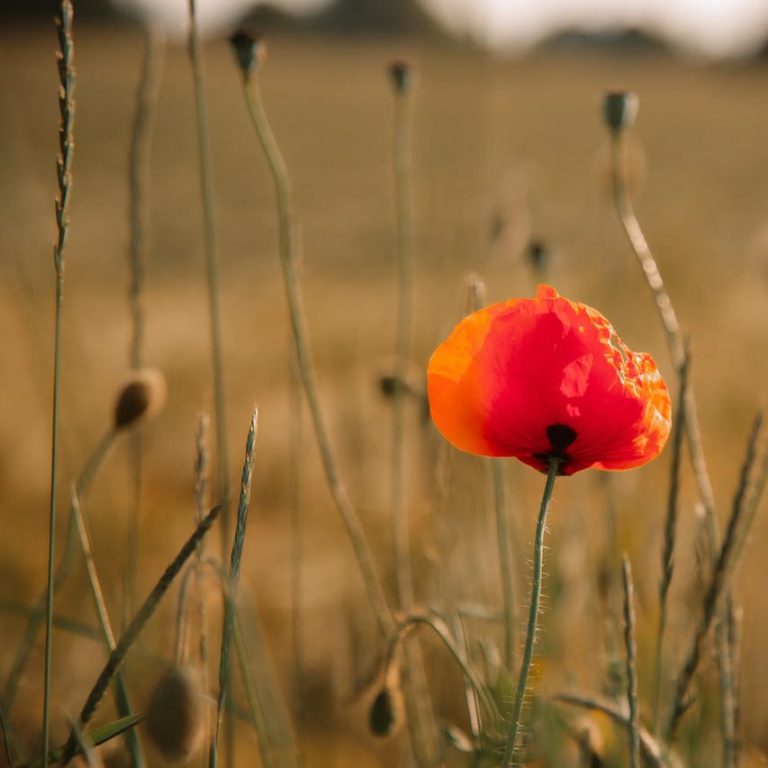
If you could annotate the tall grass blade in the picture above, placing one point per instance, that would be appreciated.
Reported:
(65, 57)
(631, 663)
(233, 580)
(135, 627)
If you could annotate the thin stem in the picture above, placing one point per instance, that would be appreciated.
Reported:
(402, 167)
(668, 548)
(212, 273)
(105, 625)
(138, 182)
(297, 549)
(133, 630)
(38, 613)
(233, 581)
(631, 665)
(505, 562)
(288, 259)
(744, 504)
(6, 740)
(533, 612)
(642, 251)
(65, 55)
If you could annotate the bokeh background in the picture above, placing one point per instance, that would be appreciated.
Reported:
(508, 147)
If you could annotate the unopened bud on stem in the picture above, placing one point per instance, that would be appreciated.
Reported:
(400, 74)
(141, 398)
(250, 50)
(620, 110)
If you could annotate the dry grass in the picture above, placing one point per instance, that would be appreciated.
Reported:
(518, 139)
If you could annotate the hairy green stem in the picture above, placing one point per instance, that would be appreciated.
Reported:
(631, 663)
(533, 612)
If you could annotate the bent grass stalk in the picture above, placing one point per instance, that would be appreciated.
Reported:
(533, 613)
(232, 582)
(135, 627)
(65, 57)
(122, 698)
(288, 258)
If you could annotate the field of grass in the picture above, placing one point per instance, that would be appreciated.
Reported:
(503, 151)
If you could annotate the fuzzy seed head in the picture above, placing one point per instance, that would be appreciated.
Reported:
(175, 719)
(141, 398)
(620, 110)
(250, 50)
(400, 75)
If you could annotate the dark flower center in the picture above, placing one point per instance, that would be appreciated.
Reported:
(560, 437)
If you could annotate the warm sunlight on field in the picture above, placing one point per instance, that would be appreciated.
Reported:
(503, 152)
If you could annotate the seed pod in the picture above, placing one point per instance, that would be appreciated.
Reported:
(386, 713)
(620, 110)
(400, 74)
(250, 50)
(175, 719)
(140, 399)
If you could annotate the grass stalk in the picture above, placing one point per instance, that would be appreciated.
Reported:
(212, 272)
(297, 544)
(232, 583)
(137, 624)
(39, 613)
(631, 663)
(122, 698)
(668, 546)
(65, 58)
(475, 300)
(533, 613)
(288, 260)
(138, 183)
(751, 484)
(404, 218)
(6, 738)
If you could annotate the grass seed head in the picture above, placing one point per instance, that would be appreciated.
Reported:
(175, 719)
(141, 398)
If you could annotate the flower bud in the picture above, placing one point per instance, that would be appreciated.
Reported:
(250, 50)
(400, 74)
(140, 399)
(620, 110)
(175, 718)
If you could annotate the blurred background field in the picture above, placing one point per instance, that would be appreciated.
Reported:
(505, 150)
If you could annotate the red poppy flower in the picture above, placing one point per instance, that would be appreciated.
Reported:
(548, 377)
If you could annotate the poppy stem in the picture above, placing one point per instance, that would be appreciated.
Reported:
(533, 610)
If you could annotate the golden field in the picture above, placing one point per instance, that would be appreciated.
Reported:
(517, 142)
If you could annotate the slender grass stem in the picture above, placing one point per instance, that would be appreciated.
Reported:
(297, 547)
(39, 612)
(6, 739)
(751, 485)
(232, 583)
(288, 259)
(668, 547)
(135, 627)
(138, 183)
(212, 273)
(402, 169)
(65, 55)
(533, 613)
(631, 663)
(105, 625)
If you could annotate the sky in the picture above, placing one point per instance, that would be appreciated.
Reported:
(716, 27)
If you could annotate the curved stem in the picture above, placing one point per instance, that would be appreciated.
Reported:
(533, 611)
(288, 259)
